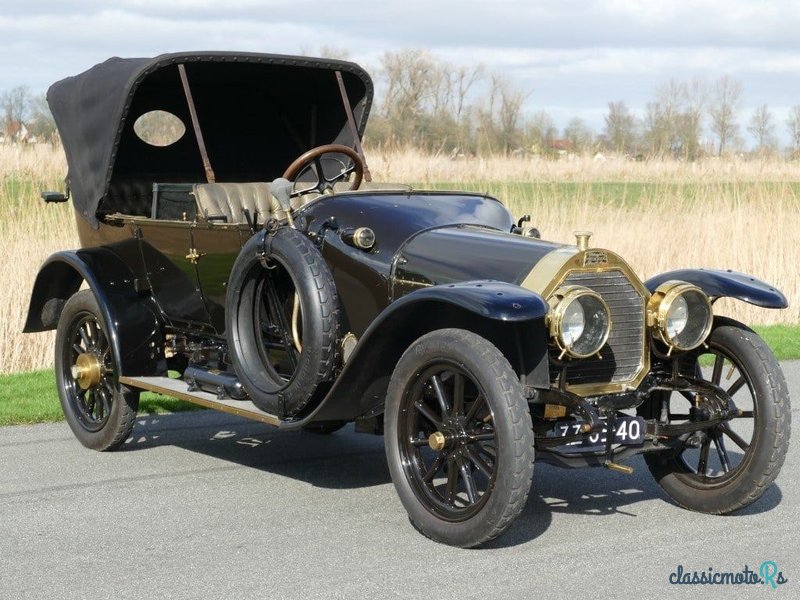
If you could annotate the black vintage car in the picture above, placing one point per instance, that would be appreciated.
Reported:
(252, 267)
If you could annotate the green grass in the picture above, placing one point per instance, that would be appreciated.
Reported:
(783, 339)
(32, 398)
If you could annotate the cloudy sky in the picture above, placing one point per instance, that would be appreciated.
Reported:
(572, 55)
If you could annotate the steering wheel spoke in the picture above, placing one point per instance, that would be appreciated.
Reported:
(312, 160)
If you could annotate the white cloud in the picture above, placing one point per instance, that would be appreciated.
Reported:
(574, 54)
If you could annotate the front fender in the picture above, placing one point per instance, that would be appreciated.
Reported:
(494, 300)
(726, 284)
(135, 327)
(508, 315)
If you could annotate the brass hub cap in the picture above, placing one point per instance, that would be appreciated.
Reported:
(87, 370)
(437, 440)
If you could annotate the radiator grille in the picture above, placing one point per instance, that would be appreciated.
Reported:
(622, 354)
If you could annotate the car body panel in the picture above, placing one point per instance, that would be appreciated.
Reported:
(434, 257)
(506, 313)
(135, 328)
(364, 278)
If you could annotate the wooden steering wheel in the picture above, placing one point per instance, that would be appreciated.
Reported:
(312, 159)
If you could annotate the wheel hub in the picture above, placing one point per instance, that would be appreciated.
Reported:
(453, 434)
(437, 441)
(87, 370)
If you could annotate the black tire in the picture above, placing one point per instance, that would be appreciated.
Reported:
(466, 366)
(764, 387)
(325, 427)
(295, 265)
(102, 416)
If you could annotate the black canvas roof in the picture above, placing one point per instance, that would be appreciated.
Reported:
(257, 113)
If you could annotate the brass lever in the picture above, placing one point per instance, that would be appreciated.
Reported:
(618, 467)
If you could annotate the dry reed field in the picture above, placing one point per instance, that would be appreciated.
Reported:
(658, 215)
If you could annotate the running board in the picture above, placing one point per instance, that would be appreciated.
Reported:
(178, 388)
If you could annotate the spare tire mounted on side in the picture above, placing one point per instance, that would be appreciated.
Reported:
(282, 320)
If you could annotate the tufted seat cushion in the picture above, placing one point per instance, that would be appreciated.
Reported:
(229, 200)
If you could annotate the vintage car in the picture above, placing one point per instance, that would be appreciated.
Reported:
(251, 266)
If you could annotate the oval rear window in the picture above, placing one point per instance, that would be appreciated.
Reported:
(159, 128)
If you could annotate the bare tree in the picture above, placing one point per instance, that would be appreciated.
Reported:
(540, 131)
(14, 103)
(793, 125)
(690, 122)
(660, 129)
(509, 113)
(762, 129)
(620, 127)
(42, 124)
(726, 99)
(464, 78)
(579, 135)
(499, 115)
(409, 80)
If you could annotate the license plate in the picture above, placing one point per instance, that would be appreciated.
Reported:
(630, 432)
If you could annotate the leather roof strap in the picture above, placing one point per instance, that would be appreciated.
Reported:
(353, 129)
(210, 177)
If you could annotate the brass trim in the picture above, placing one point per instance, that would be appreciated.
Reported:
(619, 468)
(296, 323)
(554, 411)
(364, 238)
(582, 240)
(661, 301)
(87, 370)
(194, 255)
(411, 282)
(549, 273)
(548, 269)
(559, 301)
(437, 440)
(348, 344)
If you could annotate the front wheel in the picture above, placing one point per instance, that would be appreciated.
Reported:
(728, 466)
(459, 440)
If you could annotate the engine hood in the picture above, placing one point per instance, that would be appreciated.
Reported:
(456, 253)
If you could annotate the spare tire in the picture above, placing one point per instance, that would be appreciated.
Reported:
(282, 320)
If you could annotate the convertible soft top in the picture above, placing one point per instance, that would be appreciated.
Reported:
(256, 112)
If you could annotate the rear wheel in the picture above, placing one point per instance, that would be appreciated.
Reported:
(98, 409)
(459, 439)
(729, 466)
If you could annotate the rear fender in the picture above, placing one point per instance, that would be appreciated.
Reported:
(135, 326)
(509, 316)
(726, 284)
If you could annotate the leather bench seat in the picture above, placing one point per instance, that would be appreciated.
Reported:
(230, 200)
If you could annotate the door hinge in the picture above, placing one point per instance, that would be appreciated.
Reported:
(194, 255)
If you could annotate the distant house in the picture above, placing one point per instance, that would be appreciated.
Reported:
(16, 132)
(561, 146)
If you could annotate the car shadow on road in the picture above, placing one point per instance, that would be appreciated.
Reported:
(599, 492)
(341, 460)
(347, 460)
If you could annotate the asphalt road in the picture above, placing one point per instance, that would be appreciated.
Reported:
(212, 506)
